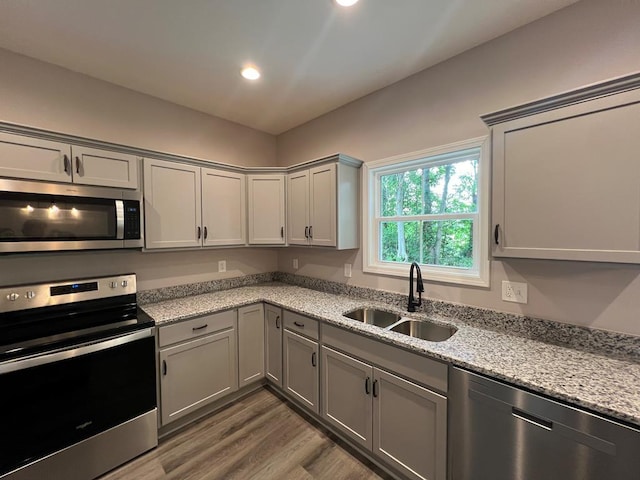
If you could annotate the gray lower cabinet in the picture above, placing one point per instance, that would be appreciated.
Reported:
(301, 377)
(198, 363)
(402, 423)
(273, 344)
(250, 344)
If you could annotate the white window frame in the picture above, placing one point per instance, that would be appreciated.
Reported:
(479, 275)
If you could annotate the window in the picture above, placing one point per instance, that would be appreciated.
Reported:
(429, 207)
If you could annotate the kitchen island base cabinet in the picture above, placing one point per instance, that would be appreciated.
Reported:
(273, 344)
(195, 372)
(250, 344)
(301, 378)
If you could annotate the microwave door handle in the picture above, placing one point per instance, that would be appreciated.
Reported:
(119, 220)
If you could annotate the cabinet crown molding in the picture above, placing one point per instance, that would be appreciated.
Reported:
(571, 97)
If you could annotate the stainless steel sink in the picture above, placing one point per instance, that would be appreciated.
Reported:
(379, 318)
(424, 330)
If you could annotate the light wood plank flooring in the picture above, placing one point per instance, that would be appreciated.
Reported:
(258, 437)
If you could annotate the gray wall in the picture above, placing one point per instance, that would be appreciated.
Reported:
(587, 42)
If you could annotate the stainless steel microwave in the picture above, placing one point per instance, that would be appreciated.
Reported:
(37, 216)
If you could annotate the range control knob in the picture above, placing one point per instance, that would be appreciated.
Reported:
(113, 284)
(125, 283)
(30, 294)
(13, 297)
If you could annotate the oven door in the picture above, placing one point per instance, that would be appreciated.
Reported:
(53, 400)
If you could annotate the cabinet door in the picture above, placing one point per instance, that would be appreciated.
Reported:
(298, 208)
(172, 216)
(223, 207)
(346, 395)
(103, 168)
(565, 183)
(32, 158)
(410, 427)
(250, 344)
(196, 373)
(273, 344)
(322, 205)
(301, 377)
(266, 209)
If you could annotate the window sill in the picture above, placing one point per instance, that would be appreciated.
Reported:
(464, 277)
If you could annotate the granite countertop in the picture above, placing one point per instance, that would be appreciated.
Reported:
(607, 385)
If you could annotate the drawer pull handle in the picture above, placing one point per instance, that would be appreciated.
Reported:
(376, 388)
(301, 325)
(313, 359)
(367, 386)
(201, 327)
(164, 367)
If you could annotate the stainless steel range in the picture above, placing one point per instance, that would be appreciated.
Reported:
(77, 379)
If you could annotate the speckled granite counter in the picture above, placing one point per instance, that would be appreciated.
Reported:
(607, 385)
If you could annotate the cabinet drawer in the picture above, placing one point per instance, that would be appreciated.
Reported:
(196, 327)
(300, 324)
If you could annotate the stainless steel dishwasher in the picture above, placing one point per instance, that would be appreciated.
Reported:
(500, 432)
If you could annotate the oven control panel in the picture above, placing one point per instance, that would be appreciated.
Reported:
(23, 297)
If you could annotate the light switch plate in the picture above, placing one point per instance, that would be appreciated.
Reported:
(222, 266)
(514, 292)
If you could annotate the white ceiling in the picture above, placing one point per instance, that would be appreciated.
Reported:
(314, 56)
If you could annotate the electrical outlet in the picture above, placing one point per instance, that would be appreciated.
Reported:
(514, 292)
(222, 266)
(347, 270)
(295, 263)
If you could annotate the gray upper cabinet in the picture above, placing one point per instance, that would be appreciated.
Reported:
(190, 206)
(566, 179)
(38, 159)
(266, 210)
(323, 204)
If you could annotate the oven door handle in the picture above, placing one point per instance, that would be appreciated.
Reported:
(76, 351)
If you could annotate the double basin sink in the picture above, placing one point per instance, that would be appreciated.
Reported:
(422, 329)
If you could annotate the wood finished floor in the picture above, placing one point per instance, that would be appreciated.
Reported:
(258, 437)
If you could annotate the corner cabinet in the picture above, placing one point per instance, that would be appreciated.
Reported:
(323, 204)
(250, 344)
(32, 158)
(566, 176)
(190, 206)
(273, 344)
(266, 212)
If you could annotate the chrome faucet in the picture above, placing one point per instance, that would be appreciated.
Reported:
(419, 288)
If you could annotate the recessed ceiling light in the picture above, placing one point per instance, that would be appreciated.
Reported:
(250, 73)
(346, 3)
